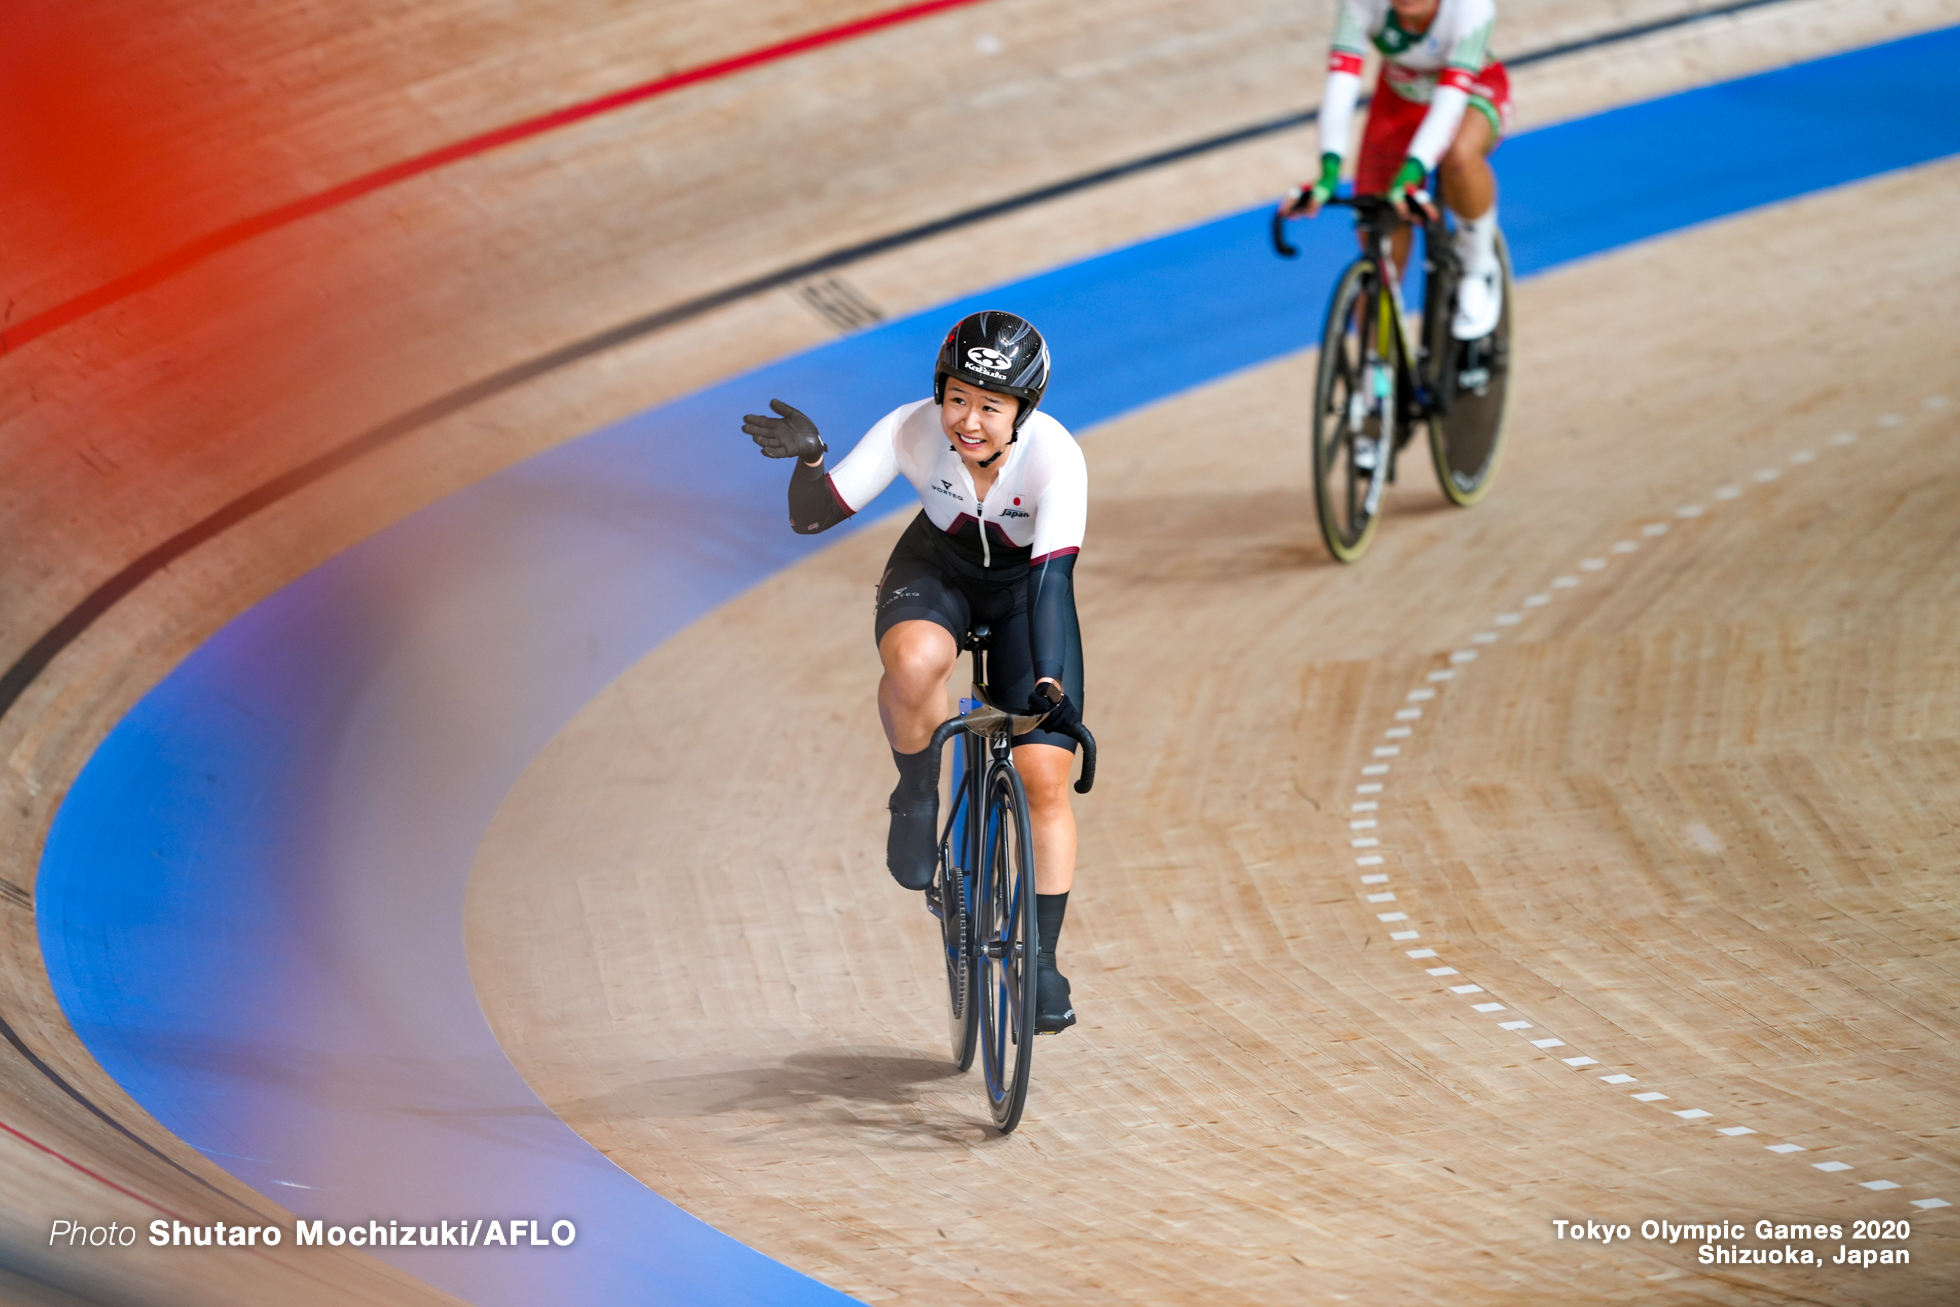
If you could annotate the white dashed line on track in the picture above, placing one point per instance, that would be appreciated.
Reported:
(1650, 530)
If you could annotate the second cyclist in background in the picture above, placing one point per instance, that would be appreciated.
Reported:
(1442, 104)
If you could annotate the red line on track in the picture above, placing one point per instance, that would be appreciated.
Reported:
(256, 1251)
(35, 1143)
(237, 233)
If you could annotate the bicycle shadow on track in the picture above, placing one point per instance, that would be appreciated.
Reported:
(865, 1091)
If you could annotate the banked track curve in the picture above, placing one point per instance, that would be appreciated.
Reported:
(483, 498)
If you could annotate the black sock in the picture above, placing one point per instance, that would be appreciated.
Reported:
(913, 781)
(1049, 909)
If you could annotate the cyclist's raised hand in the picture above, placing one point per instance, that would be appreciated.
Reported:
(1306, 199)
(1406, 192)
(790, 436)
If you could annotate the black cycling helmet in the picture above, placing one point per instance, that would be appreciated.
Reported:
(995, 351)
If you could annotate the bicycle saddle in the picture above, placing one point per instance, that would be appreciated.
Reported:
(977, 638)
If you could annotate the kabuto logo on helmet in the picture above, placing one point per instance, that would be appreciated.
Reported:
(1000, 352)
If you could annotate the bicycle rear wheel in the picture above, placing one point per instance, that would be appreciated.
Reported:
(1467, 437)
(1354, 413)
(1004, 947)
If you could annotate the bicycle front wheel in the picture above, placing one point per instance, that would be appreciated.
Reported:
(951, 900)
(1465, 441)
(1353, 412)
(1004, 947)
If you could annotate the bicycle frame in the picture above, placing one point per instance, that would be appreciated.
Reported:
(1378, 221)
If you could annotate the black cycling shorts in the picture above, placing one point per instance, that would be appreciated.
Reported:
(920, 585)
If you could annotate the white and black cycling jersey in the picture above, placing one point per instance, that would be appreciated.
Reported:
(1036, 510)
(1023, 537)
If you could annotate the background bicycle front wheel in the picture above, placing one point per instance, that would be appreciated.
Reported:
(1353, 414)
(1464, 442)
(1004, 948)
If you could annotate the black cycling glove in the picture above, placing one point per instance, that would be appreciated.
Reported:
(790, 436)
(1058, 715)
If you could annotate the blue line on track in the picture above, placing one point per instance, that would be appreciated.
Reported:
(251, 903)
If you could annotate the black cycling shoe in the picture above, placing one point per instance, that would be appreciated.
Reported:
(912, 846)
(1053, 1010)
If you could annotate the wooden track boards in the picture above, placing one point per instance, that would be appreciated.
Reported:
(1691, 816)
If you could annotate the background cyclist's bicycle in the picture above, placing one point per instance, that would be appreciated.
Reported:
(1382, 375)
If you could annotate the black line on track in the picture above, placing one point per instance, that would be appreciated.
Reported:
(61, 1083)
(63, 633)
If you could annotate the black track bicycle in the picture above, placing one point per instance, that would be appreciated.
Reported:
(1381, 376)
(983, 892)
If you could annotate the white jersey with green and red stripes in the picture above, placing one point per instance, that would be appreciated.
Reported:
(1436, 66)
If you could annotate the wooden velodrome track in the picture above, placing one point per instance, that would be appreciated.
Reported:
(1689, 816)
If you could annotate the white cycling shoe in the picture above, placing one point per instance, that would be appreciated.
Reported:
(1479, 302)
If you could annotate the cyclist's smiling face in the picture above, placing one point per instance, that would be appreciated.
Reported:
(977, 422)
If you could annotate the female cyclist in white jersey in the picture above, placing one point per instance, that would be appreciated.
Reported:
(1005, 497)
(1442, 104)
